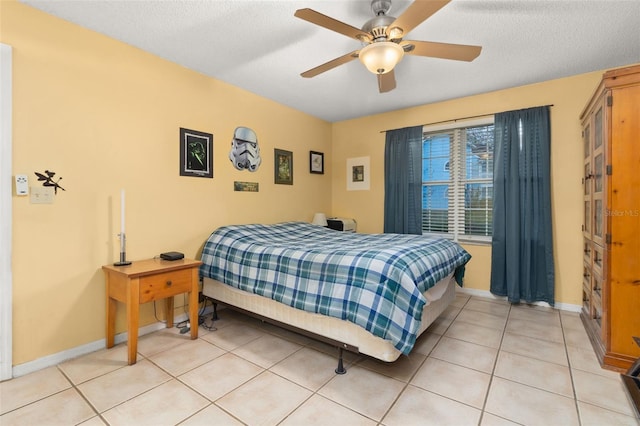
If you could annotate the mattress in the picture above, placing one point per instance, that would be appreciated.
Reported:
(341, 332)
(376, 281)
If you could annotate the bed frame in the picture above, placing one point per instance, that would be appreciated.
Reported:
(339, 333)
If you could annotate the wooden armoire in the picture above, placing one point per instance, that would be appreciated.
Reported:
(611, 229)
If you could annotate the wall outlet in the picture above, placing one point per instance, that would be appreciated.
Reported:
(41, 195)
(22, 185)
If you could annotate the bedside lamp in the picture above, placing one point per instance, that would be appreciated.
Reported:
(319, 219)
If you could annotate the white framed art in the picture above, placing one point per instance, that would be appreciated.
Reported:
(358, 174)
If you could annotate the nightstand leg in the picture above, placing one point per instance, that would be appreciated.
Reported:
(133, 318)
(168, 315)
(193, 304)
(111, 321)
(193, 314)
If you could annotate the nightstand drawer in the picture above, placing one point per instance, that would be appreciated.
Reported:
(164, 285)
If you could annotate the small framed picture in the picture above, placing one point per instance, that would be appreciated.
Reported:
(316, 162)
(358, 172)
(196, 153)
(283, 167)
(246, 186)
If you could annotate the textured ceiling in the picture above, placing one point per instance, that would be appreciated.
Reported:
(261, 47)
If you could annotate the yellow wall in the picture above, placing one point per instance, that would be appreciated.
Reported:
(104, 116)
(363, 137)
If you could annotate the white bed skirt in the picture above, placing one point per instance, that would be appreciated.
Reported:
(349, 335)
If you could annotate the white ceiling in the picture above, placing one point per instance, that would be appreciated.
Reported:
(261, 47)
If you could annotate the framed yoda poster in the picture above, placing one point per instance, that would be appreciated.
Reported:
(196, 153)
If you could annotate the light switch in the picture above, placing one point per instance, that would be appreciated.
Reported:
(41, 195)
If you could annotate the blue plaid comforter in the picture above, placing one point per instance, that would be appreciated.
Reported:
(375, 281)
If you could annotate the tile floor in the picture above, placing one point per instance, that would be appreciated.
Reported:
(483, 362)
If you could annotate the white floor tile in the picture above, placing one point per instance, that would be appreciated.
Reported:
(401, 369)
(419, 407)
(490, 307)
(319, 411)
(167, 404)
(529, 406)
(63, 408)
(466, 354)
(477, 334)
(483, 318)
(534, 372)
(307, 367)
(30, 388)
(161, 340)
(427, 341)
(267, 350)
(536, 330)
(212, 416)
(535, 348)
(95, 364)
(604, 392)
(186, 356)
(453, 381)
(278, 397)
(364, 391)
(234, 335)
(592, 415)
(114, 388)
(489, 419)
(220, 376)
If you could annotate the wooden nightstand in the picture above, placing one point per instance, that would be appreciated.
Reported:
(144, 281)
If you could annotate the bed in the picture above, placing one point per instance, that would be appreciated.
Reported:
(368, 293)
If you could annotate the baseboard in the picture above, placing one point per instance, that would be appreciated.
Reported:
(57, 358)
(488, 295)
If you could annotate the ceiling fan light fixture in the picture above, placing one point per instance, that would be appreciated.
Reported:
(381, 57)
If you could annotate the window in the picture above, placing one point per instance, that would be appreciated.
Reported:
(457, 181)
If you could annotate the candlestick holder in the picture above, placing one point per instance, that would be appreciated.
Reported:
(123, 251)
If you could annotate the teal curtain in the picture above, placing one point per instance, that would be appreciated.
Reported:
(522, 266)
(403, 181)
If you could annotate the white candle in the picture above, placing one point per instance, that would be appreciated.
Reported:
(121, 213)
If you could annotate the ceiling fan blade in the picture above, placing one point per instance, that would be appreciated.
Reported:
(415, 14)
(387, 82)
(457, 52)
(331, 64)
(329, 23)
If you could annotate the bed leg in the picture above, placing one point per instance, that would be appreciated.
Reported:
(214, 317)
(340, 369)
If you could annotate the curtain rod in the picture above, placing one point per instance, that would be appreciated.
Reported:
(459, 119)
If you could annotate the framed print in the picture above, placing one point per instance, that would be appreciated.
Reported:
(316, 162)
(196, 153)
(283, 167)
(358, 172)
(246, 186)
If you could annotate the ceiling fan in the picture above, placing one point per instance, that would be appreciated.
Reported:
(383, 36)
